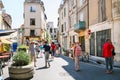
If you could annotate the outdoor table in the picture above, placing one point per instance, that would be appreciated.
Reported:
(2, 60)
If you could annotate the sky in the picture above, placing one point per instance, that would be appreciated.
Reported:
(15, 9)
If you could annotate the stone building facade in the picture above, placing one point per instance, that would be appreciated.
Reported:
(5, 19)
(91, 22)
(34, 20)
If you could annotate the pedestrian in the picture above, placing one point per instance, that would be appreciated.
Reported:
(53, 50)
(76, 55)
(32, 53)
(107, 54)
(72, 50)
(59, 49)
(46, 48)
(41, 50)
(37, 49)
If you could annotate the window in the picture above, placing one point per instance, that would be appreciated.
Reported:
(50, 30)
(101, 10)
(70, 4)
(32, 32)
(73, 39)
(64, 12)
(65, 26)
(54, 36)
(81, 17)
(32, 9)
(92, 44)
(74, 16)
(70, 18)
(32, 21)
(81, 2)
(54, 30)
(62, 15)
(62, 29)
(73, 2)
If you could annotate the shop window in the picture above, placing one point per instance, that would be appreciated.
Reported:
(92, 44)
(82, 42)
(101, 37)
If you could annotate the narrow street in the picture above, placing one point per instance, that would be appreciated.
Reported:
(62, 68)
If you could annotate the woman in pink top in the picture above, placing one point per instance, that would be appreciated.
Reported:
(77, 54)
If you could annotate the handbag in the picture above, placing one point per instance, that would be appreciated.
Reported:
(113, 52)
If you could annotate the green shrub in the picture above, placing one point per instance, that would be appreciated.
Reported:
(22, 48)
(21, 58)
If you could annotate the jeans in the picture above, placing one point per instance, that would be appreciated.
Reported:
(109, 63)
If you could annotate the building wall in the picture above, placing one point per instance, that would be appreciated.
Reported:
(64, 22)
(29, 15)
(93, 12)
(111, 23)
(116, 25)
(50, 27)
(38, 13)
(82, 10)
(5, 19)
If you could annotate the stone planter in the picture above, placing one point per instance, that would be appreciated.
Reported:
(21, 72)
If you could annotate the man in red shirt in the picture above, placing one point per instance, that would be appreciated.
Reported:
(53, 49)
(107, 54)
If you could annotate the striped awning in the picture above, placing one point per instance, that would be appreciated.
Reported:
(5, 41)
(6, 32)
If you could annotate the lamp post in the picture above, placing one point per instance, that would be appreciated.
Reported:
(23, 30)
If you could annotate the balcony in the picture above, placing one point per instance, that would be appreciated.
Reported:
(79, 26)
(32, 0)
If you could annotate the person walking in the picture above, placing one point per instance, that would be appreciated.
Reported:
(32, 53)
(59, 49)
(76, 55)
(41, 50)
(46, 47)
(53, 50)
(37, 49)
(107, 54)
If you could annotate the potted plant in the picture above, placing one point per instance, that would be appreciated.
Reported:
(21, 67)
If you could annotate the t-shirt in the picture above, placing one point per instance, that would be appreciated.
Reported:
(53, 46)
(78, 51)
(32, 49)
(107, 49)
(46, 47)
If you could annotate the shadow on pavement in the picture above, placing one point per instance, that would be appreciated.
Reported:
(14, 79)
(89, 71)
(42, 68)
(70, 68)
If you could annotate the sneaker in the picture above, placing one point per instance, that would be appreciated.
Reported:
(107, 72)
(77, 70)
(110, 71)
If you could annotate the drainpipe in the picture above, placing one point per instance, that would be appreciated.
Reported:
(76, 12)
(87, 53)
(76, 18)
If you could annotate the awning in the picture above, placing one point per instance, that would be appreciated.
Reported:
(5, 41)
(6, 32)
